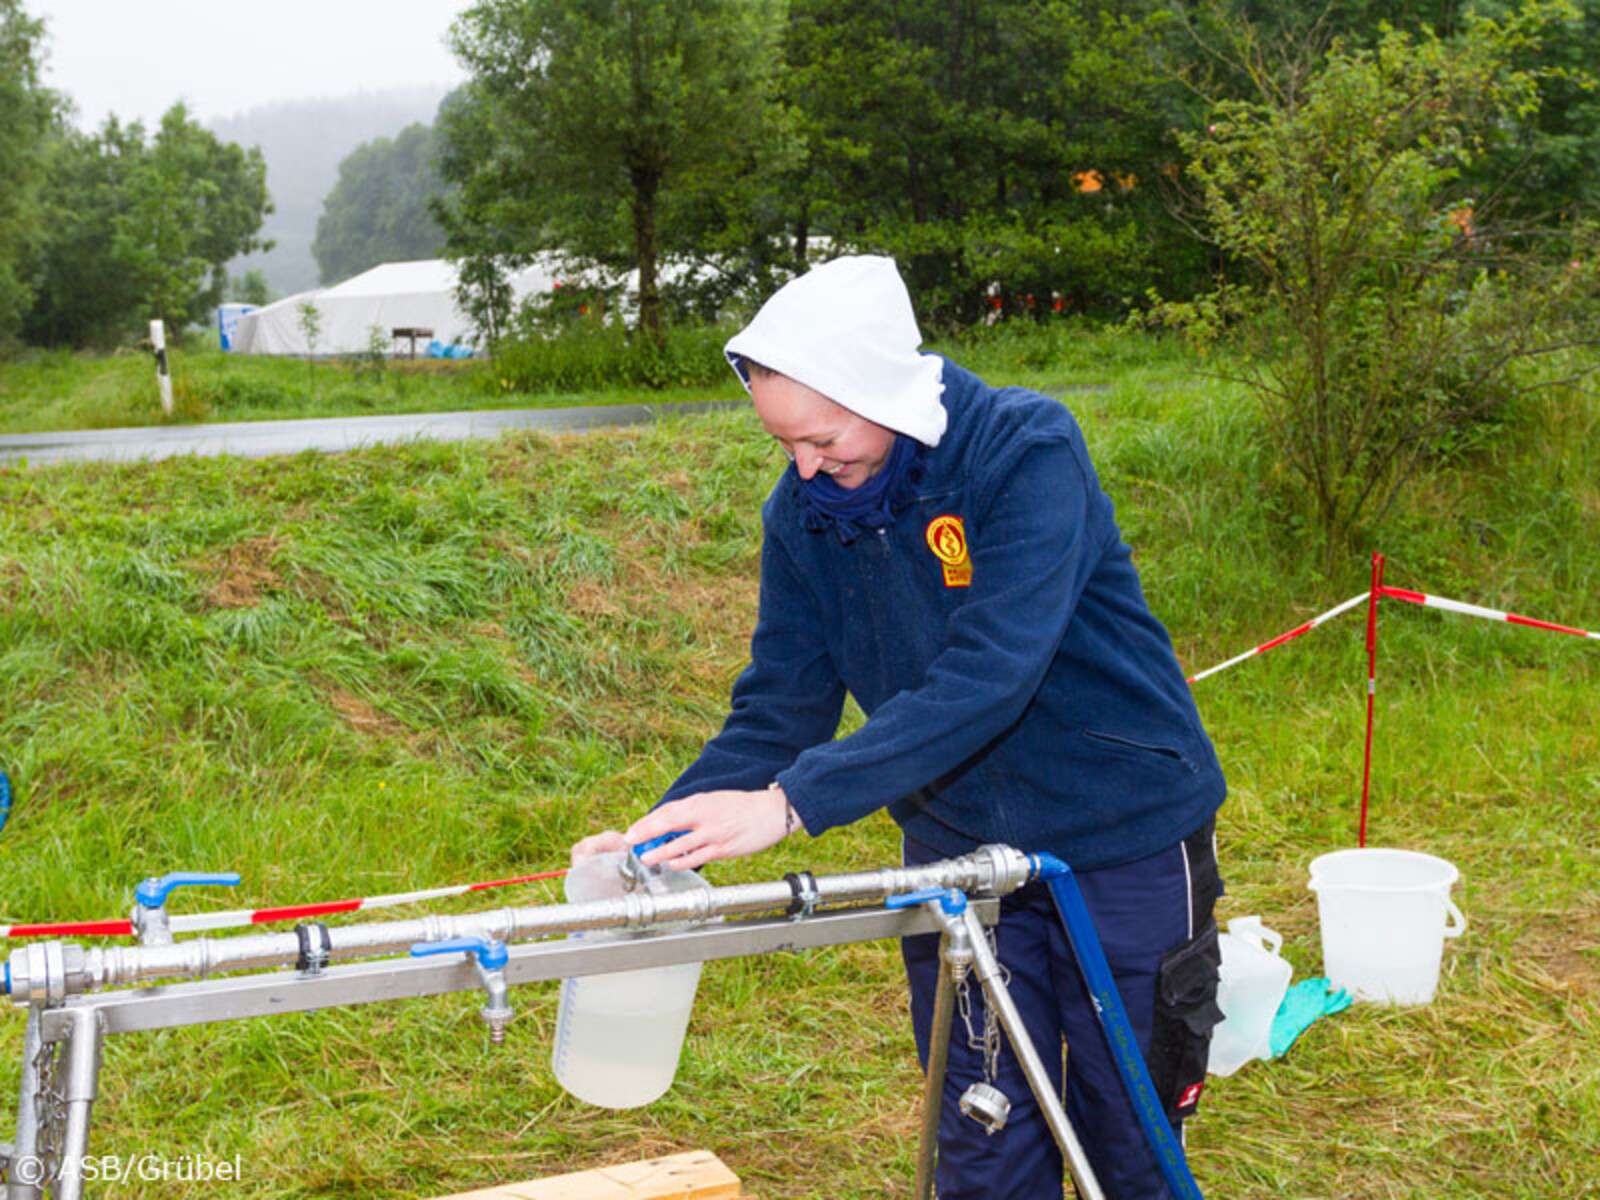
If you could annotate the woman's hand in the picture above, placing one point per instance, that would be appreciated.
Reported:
(715, 825)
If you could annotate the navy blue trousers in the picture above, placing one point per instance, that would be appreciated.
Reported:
(1154, 918)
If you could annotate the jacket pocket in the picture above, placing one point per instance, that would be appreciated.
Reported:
(1186, 1012)
(1132, 746)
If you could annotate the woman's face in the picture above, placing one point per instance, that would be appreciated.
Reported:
(819, 434)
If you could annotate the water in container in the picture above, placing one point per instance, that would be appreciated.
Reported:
(619, 1036)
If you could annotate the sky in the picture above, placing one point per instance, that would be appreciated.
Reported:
(136, 57)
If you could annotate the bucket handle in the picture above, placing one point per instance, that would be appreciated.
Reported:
(1455, 921)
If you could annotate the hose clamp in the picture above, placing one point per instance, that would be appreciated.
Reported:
(316, 947)
(803, 903)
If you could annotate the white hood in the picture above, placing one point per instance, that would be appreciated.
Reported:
(846, 329)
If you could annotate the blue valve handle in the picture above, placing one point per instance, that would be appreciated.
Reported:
(644, 848)
(491, 952)
(153, 892)
(952, 900)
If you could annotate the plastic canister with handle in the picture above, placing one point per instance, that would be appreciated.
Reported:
(1250, 989)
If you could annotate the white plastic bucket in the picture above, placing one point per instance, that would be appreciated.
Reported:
(1385, 915)
(619, 1036)
(1250, 988)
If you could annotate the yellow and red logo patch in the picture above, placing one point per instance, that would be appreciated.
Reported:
(947, 538)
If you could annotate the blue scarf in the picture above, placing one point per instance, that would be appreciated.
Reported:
(869, 505)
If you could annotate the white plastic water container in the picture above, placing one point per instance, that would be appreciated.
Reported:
(1385, 916)
(619, 1036)
(1250, 990)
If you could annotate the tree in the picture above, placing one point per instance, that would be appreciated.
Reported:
(990, 141)
(378, 209)
(1536, 165)
(82, 295)
(250, 287)
(602, 124)
(1379, 310)
(142, 228)
(1546, 165)
(29, 114)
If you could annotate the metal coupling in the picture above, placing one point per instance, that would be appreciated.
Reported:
(46, 973)
(1003, 870)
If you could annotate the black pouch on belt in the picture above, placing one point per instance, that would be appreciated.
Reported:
(1186, 1011)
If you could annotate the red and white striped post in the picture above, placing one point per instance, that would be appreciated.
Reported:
(1372, 686)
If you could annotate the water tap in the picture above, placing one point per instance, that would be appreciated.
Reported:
(948, 904)
(150, 912)
(491, 957)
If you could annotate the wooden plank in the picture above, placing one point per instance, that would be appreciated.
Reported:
(695, 1175)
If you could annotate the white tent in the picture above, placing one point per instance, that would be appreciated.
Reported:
(393, 296)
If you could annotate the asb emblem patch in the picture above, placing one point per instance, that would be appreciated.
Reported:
(947, 538)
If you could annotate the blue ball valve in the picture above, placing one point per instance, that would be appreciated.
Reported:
(153, 892)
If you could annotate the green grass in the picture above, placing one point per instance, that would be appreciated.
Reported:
(42, 391)
(431, 664)
(58, 390)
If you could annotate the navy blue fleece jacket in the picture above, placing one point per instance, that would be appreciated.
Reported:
(1038, 704)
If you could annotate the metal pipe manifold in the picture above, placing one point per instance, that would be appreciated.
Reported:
(46, 973)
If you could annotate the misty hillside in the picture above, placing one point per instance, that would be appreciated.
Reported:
(303, 141)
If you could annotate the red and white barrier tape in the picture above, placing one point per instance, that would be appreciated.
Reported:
(1283, 637)
(1394, 593)
(239, 918)
(1473, 610)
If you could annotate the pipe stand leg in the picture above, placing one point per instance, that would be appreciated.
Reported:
(25, 1156)
(987, 968)
(944, 1011)
(82, 1084)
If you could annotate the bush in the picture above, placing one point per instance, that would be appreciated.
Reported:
(1382, 309)
(590, 353)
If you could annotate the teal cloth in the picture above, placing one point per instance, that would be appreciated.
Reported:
(1304, 1003)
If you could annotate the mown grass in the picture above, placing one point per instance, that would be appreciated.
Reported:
(430, 664)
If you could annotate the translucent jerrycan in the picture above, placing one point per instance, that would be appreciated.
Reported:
(619, 1036)
(1249, 992)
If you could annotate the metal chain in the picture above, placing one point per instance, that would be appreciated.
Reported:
(989, 1043)
(51, 1108)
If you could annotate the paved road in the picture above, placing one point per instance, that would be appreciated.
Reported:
(257, 439)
